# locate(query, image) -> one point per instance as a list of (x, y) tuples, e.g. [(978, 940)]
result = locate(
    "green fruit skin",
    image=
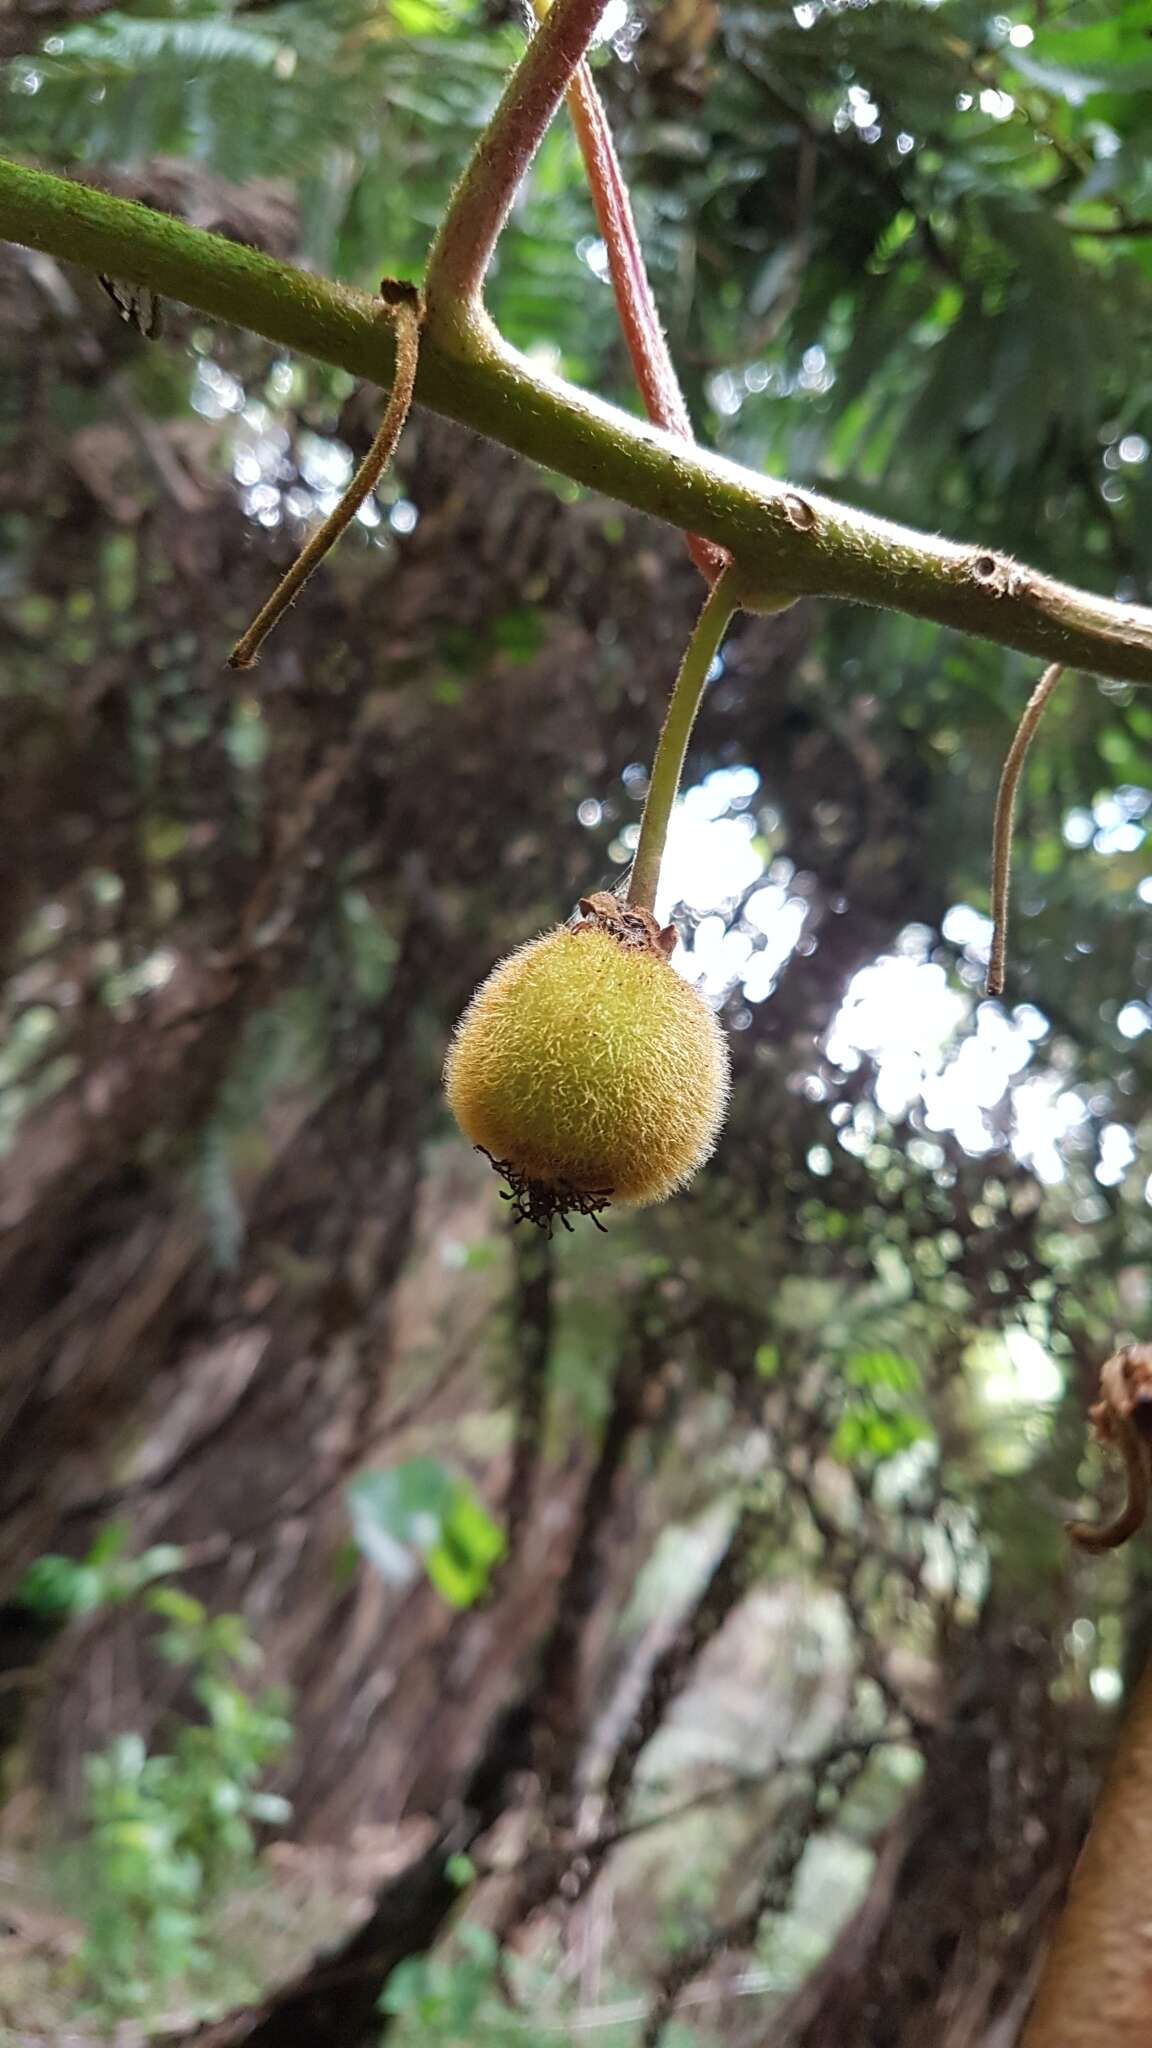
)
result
[(585, 1064)]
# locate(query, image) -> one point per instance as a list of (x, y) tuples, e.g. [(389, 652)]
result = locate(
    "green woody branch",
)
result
[(785, 541)]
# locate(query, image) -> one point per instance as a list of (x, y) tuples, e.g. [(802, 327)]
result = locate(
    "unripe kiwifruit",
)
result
[(587, 1069)]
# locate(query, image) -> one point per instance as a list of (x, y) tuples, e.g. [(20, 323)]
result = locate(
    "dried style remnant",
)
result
[(533, 1202)]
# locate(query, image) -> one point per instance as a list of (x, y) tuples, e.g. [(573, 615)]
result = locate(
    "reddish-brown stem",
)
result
[(483, 198), (639, 319)]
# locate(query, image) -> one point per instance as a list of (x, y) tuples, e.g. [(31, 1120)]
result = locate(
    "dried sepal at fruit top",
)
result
[(587, 1070)]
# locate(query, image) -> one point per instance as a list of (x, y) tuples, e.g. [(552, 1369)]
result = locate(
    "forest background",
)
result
[(748, 1513)]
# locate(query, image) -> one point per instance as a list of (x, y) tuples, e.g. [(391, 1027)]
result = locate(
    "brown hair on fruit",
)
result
[(587, 1069)]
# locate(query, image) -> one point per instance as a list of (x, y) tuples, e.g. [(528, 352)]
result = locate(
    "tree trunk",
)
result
[(944, 1950), (1096, 1988)]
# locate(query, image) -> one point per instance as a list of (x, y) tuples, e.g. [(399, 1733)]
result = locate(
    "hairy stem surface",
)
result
[(672, 745), (482, 201), (782, 538)]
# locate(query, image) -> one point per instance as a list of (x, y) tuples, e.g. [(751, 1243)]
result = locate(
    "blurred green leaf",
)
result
[(882, 1369), (422, 1511), (874, 1433)]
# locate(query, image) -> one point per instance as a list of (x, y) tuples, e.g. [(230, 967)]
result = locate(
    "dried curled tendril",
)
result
[(1123, 1417), (541, 1202)]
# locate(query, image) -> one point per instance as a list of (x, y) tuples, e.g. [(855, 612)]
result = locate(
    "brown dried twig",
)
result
[(402, 304), (1123, 1417), (1003, 823)]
